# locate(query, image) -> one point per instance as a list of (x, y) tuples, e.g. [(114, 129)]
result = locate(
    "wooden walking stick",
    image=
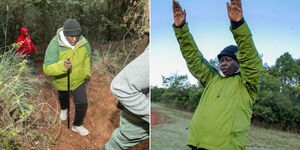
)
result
[(68, 113)]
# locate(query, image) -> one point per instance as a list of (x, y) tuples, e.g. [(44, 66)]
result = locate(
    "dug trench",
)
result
[(101, 119)]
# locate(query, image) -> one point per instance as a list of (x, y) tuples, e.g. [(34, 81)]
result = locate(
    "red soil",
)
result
[(157, 118), (101, 119)]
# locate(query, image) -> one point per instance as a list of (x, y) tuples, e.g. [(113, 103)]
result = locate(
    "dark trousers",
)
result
[(195, 148), (80, 101)]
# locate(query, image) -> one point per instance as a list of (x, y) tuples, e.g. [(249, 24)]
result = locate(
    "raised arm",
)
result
[(249, 60), (197, 64)]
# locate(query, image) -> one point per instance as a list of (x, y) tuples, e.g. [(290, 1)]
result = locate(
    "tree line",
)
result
[(101, 20), (277, 104)]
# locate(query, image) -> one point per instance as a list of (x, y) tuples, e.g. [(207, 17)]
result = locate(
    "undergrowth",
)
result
[(24, 118)]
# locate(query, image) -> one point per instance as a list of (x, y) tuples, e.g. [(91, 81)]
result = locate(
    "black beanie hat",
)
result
[(230, 51), (72, 28)]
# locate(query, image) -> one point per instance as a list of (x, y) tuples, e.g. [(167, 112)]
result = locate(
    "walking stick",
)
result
[(68, 113)]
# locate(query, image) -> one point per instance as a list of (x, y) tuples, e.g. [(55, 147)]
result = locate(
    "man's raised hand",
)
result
[(179, 15), (234, 10)]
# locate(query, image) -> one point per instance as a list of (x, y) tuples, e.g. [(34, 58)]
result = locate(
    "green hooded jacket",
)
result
[(223, 115), (57, 52)]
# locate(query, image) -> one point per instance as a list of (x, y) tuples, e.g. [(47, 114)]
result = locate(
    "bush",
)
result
[(177, 92), (19, 89)]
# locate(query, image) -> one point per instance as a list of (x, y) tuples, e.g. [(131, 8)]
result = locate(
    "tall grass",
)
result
[(110, 58), (106, 61), (19, 89)]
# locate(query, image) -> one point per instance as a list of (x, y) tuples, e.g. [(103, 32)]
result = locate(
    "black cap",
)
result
[(230, 51), (72, 28)]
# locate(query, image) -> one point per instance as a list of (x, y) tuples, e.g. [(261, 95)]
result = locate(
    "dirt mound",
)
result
[(157, 118)]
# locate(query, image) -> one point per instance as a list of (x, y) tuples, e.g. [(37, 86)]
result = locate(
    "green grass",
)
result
[(269, 139), (172, 134)]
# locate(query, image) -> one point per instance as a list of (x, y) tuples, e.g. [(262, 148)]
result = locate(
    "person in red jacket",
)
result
[(27, 45), (27, 48)]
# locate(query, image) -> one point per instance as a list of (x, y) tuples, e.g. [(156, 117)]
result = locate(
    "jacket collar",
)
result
[(222, 75), (63, 42)]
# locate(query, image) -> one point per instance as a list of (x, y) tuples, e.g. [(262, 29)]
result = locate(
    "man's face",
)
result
[(228, 65), (72, 39)]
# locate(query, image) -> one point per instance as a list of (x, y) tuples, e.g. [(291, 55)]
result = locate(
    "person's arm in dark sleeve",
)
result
[(248, 57)]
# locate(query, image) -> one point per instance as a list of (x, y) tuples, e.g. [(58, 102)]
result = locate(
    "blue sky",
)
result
[(275, 25)]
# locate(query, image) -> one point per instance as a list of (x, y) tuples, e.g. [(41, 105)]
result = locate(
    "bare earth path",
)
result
[(101, 119)]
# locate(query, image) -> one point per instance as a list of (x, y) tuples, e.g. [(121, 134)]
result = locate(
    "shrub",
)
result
[(21, 121)]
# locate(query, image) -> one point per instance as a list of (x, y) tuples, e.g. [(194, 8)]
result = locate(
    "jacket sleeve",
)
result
[(52, 65), (33, 47), (249, 60), (87, 61), (197, 64), (130, 86)]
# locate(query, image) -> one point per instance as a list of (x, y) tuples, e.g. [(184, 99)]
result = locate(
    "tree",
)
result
[(175, 81), (287, 70), (101, 20), (277, 103), (178, 92)]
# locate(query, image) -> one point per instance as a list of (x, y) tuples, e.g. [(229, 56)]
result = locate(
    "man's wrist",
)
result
[(180, 26), (235, 25)]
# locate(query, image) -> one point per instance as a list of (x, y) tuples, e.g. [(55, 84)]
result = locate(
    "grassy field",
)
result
[(172, 134)]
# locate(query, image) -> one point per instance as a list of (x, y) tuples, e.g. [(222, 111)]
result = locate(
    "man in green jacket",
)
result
[(223, 115), (70, 50)]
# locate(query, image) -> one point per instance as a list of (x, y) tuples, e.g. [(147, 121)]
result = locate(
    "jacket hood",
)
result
[(61, 43), (23, 31)]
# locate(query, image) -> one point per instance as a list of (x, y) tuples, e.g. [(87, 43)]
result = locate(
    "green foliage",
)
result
[(17, 106), (286, 70), (278, 102), (101, 20), (177, 92), (8, 142)]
